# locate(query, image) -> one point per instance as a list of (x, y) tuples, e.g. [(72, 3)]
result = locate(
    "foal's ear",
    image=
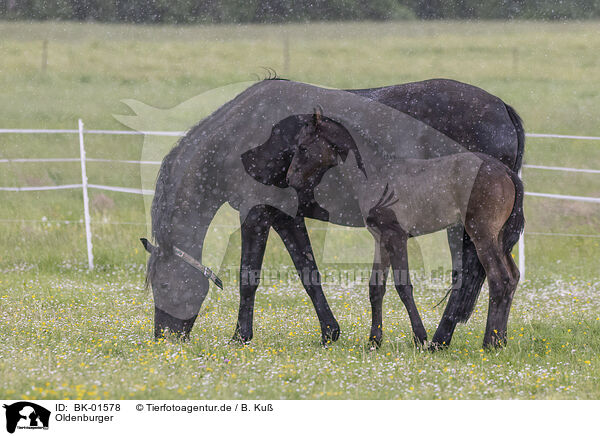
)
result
[(147, 245), (344, 146), (318, 116)]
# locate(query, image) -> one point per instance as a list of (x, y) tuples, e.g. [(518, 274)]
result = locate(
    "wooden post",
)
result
[(44, 55), (286, 54)]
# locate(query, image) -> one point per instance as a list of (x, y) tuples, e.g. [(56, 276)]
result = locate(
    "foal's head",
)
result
[(322, 143)]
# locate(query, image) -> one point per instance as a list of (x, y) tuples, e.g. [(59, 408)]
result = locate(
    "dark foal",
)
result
[(420, 197)]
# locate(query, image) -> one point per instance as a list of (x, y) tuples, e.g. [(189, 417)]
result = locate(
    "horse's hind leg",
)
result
[(381, 266), (397, 248), (502, 282), (467, 279)]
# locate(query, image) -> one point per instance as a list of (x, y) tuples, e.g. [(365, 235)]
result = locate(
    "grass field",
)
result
[(69, 333)]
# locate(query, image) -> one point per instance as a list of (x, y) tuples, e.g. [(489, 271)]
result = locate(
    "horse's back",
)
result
[(474, 118)]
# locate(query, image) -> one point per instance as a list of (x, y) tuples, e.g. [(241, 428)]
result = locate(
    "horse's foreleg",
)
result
[(399, 258), (381, 266), (254, 232), (295, 237)]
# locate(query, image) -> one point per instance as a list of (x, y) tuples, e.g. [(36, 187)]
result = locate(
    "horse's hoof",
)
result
[(238, 339), (422, 345), (330, 334), (374, 343), (493, 344), (436, 346), (420, 342)]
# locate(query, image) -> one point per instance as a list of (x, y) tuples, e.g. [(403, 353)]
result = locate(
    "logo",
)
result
[(26, 415)]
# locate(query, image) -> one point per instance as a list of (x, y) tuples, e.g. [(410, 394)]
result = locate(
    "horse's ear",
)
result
[(268, 163), (318, 116), (147, 245)]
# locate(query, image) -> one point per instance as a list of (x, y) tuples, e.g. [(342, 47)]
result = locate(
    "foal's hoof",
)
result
[(330, 333)]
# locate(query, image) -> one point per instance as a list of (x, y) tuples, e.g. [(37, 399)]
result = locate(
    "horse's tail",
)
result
[(513, 227), (472, 275), (518, 124)]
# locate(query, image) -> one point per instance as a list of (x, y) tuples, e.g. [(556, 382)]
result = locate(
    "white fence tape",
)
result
[(39, 188), (569, 235), (74, 159), (84, 185), (553, 135), (564, 197), (95, 132), (175, 133), (119, 189), (567, 169), (48, 159)]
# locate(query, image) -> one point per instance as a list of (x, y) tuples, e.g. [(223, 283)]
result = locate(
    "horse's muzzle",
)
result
[(164, 322)]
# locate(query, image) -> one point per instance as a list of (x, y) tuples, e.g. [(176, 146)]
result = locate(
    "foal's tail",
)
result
[(513, 227)]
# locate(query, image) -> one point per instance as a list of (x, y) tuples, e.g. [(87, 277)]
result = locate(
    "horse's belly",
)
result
[(426, 216)]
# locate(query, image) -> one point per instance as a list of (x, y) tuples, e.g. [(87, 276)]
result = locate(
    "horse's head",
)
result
[(268, 163), (322, 143), (179, 285)]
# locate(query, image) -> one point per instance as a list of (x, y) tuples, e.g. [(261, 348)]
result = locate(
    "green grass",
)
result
[(547, 71), (83, 336)]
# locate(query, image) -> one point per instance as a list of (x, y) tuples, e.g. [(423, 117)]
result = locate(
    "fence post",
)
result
[(44, 55), (522, 249), (286, 54), (86, 202)]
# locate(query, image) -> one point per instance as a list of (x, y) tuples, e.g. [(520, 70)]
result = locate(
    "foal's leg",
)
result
[(397, 248), (295, 237), (510, 290), (255, 232), (381, 267)]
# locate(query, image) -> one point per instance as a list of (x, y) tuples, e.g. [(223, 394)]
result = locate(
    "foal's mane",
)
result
[(351, 143)]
